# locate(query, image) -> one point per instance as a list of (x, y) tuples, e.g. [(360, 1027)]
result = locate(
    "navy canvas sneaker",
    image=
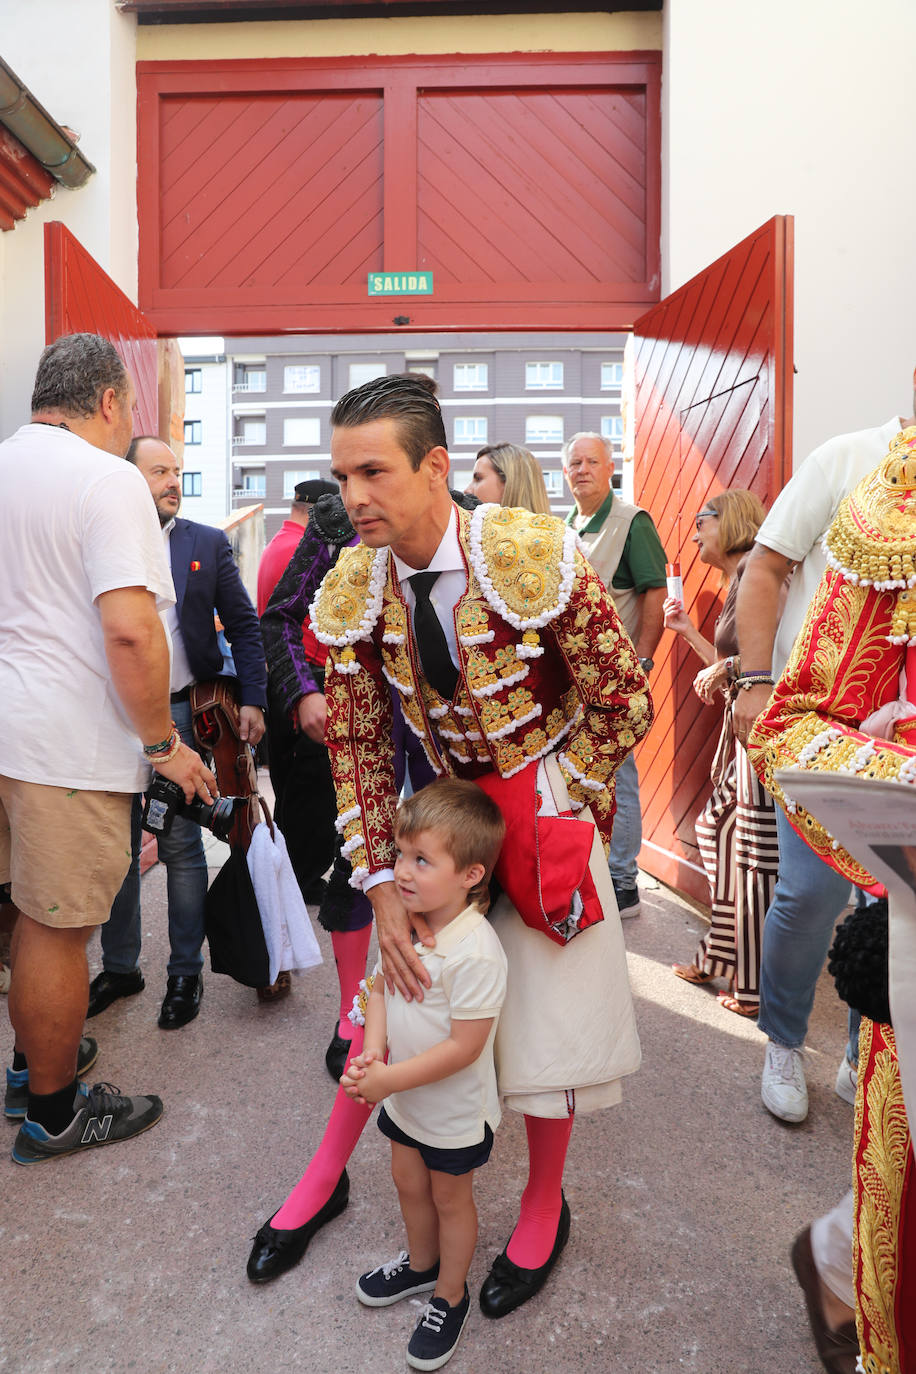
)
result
[(393, 1281), (437, 1333)]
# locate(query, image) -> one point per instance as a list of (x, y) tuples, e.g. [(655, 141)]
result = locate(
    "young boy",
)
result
[(439, 1084)]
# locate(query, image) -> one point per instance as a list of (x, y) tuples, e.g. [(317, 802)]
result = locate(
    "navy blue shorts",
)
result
[(460, 1161)]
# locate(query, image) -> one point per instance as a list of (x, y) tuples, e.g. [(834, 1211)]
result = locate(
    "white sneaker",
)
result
[(847, 1076), (783, 1086)]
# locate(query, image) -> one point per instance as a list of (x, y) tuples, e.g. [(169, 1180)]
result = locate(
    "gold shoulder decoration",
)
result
[(872, 541), (349, 599), (524, 563)]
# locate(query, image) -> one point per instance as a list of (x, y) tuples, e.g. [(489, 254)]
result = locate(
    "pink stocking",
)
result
[(344, 1128), (536, 1230), (351, 948)]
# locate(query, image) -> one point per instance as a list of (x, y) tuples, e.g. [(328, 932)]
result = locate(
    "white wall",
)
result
[(803, 107), (77, 59)]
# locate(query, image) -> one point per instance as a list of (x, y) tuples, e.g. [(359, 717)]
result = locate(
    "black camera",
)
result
[(165, 800)]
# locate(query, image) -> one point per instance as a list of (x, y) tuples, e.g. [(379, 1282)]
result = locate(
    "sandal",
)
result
[(691, 974), (730, 1003)]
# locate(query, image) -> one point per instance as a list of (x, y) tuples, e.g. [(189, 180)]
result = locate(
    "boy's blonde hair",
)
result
[(467, 821)]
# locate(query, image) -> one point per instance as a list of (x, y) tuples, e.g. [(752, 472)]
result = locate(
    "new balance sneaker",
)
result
[(783, 1086), (437, 1333), (628, 900), (847, 1076), (16, 1100), (393, 1281), (102, 1116)]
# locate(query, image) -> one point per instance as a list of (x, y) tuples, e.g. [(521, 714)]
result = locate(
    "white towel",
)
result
[(291, 942)]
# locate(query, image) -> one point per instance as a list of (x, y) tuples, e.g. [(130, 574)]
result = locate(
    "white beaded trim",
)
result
[(908, 771), (489, 688), (358, 877), (403, 687), (469, 640), (347, 668), (420, 734), (579, 777), (514, 724), (459, 710), (861, 758), (450, 734), (478, 563), (815, 745), (370, 615), (390, 638), (529, 650), (354, 1015), (344, 819), (548, 747), (456, 754), (893, 584), (352, 845)]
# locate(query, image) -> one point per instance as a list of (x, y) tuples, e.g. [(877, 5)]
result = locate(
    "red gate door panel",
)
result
[(713, 412), (81, 298), (529, 185)]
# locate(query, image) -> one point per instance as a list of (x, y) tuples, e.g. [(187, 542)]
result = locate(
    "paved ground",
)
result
[(684, 1200)]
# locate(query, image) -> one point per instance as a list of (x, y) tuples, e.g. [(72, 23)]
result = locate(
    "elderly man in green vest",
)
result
[(623, 547)]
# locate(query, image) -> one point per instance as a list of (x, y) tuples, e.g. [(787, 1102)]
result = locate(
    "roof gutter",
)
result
[(39, 133)]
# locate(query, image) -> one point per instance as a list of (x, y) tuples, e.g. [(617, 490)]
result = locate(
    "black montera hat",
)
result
[(310, 491)]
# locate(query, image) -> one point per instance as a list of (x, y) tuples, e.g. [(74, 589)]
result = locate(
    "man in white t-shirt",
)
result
[(84, 679), (809, 895)]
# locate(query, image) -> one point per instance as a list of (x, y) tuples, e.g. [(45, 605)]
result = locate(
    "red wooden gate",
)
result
[(80, 297), (527, 184), (713, 411)]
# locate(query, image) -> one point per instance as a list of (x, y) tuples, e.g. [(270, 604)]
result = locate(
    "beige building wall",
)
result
[(391, 37), (85, 79), (803, 109)]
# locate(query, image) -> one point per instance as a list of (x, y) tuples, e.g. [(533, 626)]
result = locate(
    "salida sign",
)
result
[(400, 283)]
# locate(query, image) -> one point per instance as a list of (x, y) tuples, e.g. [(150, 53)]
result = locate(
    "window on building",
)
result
[(192, 432), (193, 380), (425, 369), (251, 378), (543, 429), (302, 377), (611, 376), (192, 484), (252, 429), (612, 428), (471, 376), (254, 484), (291, 480), (543, 376), (470, 429), (366, 372), (553, 481), (302, 430)]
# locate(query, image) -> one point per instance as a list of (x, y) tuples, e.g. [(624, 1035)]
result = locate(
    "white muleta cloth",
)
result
[(288, 933)]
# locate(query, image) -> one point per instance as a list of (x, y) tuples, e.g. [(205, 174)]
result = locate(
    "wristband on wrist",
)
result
[(748, 680), (165, 750)]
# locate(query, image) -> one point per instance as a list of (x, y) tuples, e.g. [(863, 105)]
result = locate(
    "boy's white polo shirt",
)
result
[(467, 967)]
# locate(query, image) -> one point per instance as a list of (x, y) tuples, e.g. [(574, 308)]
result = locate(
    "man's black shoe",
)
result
[(182, 1000), (507, 1286), (275, 1251), (335, 1057), (106, 988)]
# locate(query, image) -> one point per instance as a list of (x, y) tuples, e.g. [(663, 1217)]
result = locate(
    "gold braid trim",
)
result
[(882, 1143)]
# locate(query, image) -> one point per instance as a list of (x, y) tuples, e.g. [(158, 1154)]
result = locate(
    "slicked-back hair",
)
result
[(74, 372), (408, 398), (468, 823)]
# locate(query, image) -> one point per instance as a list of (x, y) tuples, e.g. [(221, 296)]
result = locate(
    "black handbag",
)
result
[(233, 925)]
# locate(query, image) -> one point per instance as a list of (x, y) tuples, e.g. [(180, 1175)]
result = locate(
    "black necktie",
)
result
[(435, 658)]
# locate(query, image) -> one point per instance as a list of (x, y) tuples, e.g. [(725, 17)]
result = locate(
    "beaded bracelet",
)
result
[(748, 680), (164, 751)]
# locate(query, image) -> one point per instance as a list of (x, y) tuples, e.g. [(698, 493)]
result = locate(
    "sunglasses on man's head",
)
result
[(703, 515)]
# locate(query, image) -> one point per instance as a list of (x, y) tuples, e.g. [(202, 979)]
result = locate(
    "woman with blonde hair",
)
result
[(509, 476), (736, 830)]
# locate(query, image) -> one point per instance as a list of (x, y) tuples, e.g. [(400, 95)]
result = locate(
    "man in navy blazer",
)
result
[(206, 581)]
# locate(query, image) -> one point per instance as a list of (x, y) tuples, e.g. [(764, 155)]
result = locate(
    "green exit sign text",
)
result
[(400, 283)]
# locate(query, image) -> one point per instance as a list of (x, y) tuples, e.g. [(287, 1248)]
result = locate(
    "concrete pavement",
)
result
[(684, 1200)]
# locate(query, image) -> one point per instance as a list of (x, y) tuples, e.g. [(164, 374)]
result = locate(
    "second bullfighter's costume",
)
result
[(545, 668), (854, 666)]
